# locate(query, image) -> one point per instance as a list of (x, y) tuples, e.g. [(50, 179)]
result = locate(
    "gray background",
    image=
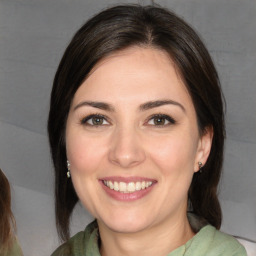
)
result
[(33, 36)]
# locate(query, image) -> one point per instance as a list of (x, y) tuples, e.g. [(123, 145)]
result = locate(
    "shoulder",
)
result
[(80, 243), (13, 250), (219, 243), (210, 241), (69, 247)]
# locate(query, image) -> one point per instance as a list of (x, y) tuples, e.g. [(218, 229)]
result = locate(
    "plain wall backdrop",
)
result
[(33, 37)]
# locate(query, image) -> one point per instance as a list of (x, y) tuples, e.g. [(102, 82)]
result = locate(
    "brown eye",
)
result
[(159, 121), (97, 120), (94, 120)]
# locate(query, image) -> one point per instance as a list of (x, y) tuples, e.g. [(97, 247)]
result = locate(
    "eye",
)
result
[(95, 120), (161, 120)]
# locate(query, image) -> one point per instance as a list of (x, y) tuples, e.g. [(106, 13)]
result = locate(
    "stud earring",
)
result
[(68, 167), (200, 166)]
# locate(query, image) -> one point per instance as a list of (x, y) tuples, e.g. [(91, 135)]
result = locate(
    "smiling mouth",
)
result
[(129, 187)]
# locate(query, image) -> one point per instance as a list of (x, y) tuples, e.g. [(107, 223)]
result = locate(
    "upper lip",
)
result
[(126, 179)]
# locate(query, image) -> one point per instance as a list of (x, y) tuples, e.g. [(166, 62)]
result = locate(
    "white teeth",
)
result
[(131, 187), (128, 187), (138, 185), (116, 186), (111, 185), (122, 187), (149, 183)]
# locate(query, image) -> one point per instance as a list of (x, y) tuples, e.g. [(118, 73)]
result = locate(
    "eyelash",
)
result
[(84, 121), (162, 116)]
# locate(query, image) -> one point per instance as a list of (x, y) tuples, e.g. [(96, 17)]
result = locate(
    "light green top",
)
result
[(207, 242), (15, 250)]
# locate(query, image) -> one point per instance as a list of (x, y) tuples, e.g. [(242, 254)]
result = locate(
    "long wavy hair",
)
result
[(7, 221), (118, 28)]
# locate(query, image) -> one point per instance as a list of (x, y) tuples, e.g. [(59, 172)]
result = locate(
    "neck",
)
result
[(165, 236)]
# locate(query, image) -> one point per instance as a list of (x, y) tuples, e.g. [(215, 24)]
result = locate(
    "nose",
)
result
[(126, 149)]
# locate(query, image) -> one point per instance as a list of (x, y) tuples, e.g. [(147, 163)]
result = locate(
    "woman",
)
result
[(8, 243), (136, 133)]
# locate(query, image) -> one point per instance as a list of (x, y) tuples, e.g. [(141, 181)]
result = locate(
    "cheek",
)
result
[(84, 154), (175, 153)]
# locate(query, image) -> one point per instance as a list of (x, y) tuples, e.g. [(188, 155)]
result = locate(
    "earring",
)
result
[(68, 167), (200, 166)]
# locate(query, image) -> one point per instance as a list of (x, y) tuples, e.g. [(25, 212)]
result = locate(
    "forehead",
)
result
[(142, 56), (136, 74)]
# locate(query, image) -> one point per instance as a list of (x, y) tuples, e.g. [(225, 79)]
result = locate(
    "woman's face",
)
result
[(132, 141)]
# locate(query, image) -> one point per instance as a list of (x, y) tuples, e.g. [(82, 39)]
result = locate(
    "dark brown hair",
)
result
[(7, 222), (115, 29)]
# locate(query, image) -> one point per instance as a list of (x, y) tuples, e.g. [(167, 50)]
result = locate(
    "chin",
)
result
[(125, 225)]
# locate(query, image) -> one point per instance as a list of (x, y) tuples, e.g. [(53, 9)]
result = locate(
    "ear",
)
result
[(204, 148)]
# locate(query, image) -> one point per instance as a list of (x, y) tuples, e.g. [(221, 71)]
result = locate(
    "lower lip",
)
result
[(127, 197)]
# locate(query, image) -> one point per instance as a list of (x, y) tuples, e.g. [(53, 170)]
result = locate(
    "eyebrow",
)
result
[(94, 104), (142, 107), (158, 103)]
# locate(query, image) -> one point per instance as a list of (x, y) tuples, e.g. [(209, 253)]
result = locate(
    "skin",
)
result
[(129, 142)]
